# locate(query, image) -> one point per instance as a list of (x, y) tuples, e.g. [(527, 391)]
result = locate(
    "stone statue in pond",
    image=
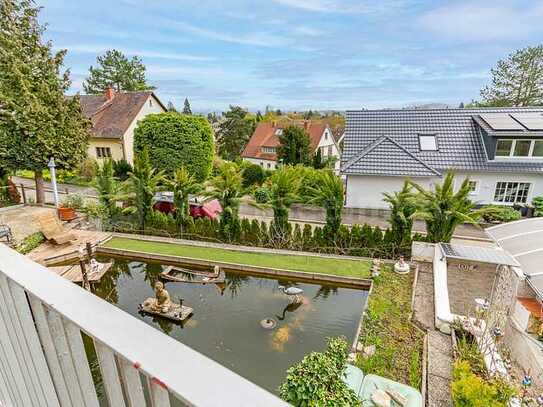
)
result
[(162, 303)]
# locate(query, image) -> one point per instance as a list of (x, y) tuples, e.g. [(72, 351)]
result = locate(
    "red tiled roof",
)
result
[(264, 136), (111, 118)]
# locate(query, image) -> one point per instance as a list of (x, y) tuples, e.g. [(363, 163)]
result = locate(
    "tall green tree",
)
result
[(186, 107), (141, 186), (107, 187), (115, 70), (517, 80), (328, 194), (171, 107), (234, 132), (284, 186), (402, 208), (443, 209), (36, 120), (294, 146), (226, 187), (175, 140), (182, 185)]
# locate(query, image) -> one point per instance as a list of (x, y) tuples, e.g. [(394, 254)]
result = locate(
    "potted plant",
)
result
[(68, 207)]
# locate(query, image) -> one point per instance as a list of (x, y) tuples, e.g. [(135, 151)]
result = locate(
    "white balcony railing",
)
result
[(43, 360)]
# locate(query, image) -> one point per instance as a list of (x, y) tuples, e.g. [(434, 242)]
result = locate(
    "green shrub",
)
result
[(121, 168), (262, 195), (499, 213), (74, 201), (176, 140), (317, 379), (538, 204), (87, 169), (30, 243), (470, 390), (253, 175)]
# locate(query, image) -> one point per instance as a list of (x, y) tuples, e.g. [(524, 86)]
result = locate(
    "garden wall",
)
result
[(467, 281)]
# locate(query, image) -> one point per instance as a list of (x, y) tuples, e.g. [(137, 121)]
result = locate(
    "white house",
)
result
[(114, 117), (499, 149), (262, 147)]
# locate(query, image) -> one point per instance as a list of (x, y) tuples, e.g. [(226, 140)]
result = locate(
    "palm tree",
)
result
[(328, 194), (402, 208), (227, 188), (284, 186), (443, 209), (183, 184), (107, 187), (141, 186)]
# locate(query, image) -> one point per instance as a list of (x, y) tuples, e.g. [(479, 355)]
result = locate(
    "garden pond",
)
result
[(226, 323)]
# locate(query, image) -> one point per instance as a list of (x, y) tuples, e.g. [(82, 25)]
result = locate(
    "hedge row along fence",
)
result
[(359, 240)]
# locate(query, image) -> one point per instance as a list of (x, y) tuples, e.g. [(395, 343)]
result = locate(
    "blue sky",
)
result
[(300, 54)]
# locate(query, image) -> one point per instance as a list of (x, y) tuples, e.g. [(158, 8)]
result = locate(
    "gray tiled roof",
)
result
[(385, 142), (400, 162)]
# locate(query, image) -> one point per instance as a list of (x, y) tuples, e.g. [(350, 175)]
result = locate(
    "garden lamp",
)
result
[(51, 165)]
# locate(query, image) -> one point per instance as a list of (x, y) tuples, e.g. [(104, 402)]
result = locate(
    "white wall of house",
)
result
[(266, 164), (367, 191), (151, 105), (114, 146), (329, 148)]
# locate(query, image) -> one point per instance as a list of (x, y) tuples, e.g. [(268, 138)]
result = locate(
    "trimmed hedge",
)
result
[(175, 140), (359, 240)]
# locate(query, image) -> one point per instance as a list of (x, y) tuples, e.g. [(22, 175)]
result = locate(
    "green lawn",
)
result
[(387, 325), (339, 267)]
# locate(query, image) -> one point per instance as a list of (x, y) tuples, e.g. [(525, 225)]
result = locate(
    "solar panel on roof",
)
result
[(501, 121), (532, 121), (480, 254)]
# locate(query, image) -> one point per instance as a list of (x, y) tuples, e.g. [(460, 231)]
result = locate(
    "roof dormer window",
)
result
[(278, 132), (427, 142)]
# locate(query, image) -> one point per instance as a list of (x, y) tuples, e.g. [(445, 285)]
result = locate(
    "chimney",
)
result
[(109, 93)]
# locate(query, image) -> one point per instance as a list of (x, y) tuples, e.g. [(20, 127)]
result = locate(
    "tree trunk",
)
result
[(40, 192)]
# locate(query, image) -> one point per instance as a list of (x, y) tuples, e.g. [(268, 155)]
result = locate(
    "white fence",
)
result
[(43, 361)]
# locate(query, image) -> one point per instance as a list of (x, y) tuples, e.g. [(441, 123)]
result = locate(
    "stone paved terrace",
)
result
[(22, 219)]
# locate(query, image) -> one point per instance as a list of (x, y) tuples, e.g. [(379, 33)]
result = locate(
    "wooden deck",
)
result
[(49, 254), (73, 273)]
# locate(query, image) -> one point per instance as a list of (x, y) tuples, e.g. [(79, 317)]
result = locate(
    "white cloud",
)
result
[(99, 49), (342, 6), (485, 20), (257, 39)]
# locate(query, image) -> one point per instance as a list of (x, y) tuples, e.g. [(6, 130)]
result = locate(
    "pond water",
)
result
[(225, 325)]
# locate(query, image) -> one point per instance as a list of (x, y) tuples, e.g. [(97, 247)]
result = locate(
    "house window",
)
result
[(326, 135), (278, 132), (330, 151), (512, 192), (150, 102), (503, 148), (428, 142), (269, 165), (522, 148), (519, 148), (473, 187), (103, 152), (261, 164), (269, 150)]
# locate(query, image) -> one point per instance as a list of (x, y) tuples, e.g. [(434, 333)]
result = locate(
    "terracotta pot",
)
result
[(66, 214)]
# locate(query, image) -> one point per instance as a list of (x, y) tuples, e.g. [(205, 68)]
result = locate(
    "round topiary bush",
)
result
[(176, 140)]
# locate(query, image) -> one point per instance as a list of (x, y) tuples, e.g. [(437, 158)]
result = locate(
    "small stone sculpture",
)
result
[(375, 267), (162, 302), (401, 266)]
